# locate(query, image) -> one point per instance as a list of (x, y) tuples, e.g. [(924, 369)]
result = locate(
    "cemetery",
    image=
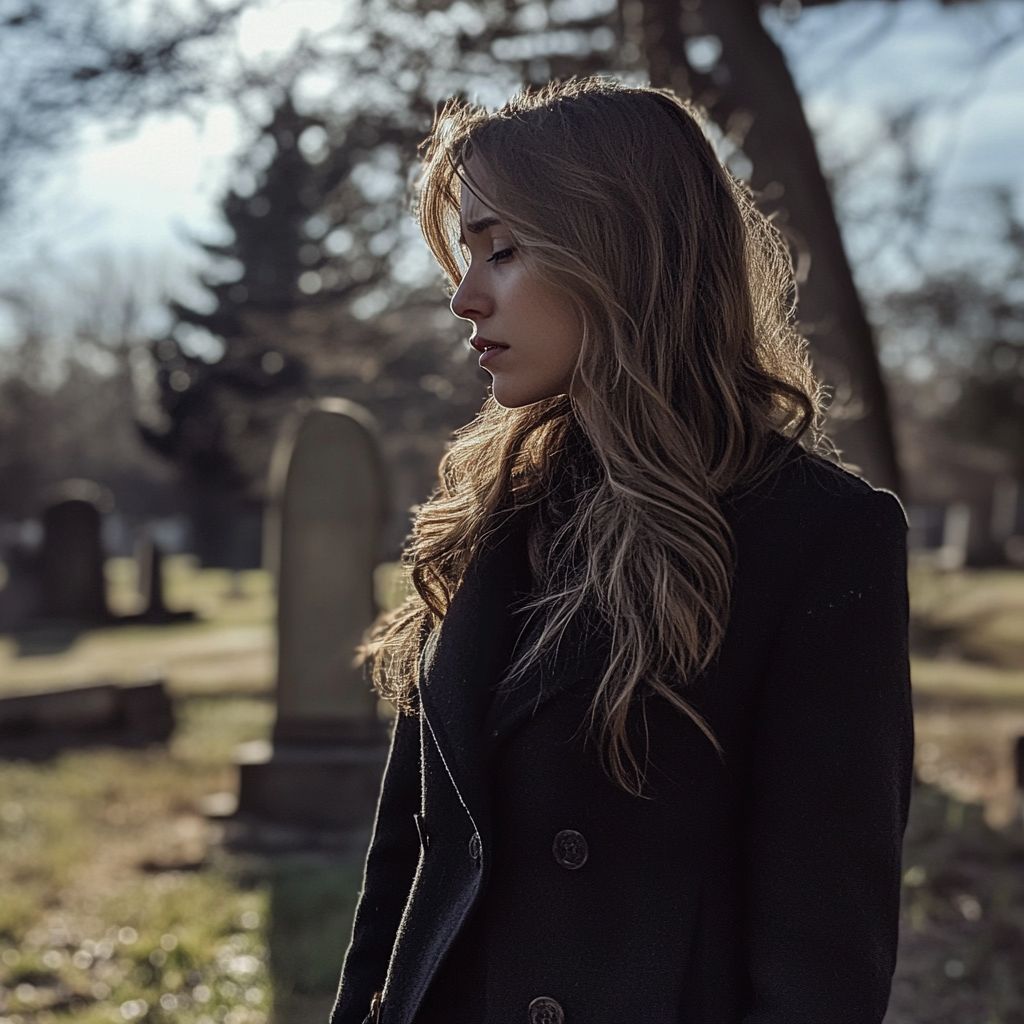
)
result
[(250, 803), (186, 796), (226, 383)]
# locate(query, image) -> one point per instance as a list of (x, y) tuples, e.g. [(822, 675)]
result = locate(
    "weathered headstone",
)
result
[(329, 506), (72, 584), (327, 521)]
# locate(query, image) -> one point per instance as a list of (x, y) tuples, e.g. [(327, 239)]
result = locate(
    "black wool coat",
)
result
[(510, 881)]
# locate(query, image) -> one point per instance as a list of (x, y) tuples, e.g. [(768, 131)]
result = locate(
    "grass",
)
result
[(229, 648), (119, 906), (112, 910), (970, 616), (962, 918), (968, 633)]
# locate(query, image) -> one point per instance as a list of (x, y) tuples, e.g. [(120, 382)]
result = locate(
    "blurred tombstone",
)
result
[(956, 532), (329, 505), (149, 557), (150, 560), (40, 725), (926, 524), (977, 531), (72, 583)]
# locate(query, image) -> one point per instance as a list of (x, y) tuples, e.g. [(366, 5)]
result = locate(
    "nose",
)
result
[(471, 300)]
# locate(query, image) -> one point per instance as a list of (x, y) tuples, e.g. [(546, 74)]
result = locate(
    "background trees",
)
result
[(318, 284), (962, 332), (314, 294), (73, 383)]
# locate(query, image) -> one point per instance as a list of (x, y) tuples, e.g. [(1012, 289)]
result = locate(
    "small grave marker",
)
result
[(72, 584)]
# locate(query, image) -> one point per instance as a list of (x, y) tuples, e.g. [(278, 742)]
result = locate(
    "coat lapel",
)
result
[(465, 657), (467, 706)]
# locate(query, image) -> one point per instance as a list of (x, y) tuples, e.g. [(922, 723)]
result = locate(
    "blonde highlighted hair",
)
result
[(691, 367)]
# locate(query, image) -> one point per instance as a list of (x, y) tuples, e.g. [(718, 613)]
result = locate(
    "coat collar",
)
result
[(464, 659)]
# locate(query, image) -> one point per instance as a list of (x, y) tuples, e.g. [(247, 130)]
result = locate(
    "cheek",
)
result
[(562, 324), (567, 332)]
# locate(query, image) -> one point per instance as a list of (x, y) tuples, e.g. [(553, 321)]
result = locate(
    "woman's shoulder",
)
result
[(808, 495)]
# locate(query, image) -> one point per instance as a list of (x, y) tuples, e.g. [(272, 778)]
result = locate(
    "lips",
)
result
[(489, 350), (483, 345)]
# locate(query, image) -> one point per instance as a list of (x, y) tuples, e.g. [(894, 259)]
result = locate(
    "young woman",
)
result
[(653, 754)]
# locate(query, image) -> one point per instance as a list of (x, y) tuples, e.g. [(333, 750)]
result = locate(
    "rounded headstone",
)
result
[(72, 583), (329, 507)]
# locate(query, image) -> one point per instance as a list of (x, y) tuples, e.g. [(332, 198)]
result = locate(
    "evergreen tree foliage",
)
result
[(312, 295), (219, 368)]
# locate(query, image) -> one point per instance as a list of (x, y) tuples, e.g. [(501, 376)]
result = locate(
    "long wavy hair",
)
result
[(690, 370)]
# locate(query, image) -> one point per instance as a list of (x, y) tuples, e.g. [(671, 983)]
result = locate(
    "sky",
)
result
[(141, 198), (857, 63), (853, 60)]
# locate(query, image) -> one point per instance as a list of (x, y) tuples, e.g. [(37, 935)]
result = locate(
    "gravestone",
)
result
[(325, 532), (72, 584), (328, 509), (150, 561)]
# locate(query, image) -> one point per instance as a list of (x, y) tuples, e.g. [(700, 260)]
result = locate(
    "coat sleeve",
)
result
[(832, 775), (390, 868)]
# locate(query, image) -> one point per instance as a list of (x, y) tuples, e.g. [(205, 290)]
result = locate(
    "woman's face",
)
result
[(526, 330)]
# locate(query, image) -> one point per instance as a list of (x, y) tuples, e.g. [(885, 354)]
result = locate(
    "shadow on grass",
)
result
[(312, 903)]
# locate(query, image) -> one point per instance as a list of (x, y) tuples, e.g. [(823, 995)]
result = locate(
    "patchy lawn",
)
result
[(974, 616), (962, 923), (118, 907)]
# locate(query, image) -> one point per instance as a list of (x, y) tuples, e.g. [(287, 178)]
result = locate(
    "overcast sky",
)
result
[(853, 61)]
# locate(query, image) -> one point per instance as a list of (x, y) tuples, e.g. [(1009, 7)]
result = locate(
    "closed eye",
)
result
[(501, 255)]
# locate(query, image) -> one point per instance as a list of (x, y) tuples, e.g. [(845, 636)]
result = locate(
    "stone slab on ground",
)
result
[(37, 725)]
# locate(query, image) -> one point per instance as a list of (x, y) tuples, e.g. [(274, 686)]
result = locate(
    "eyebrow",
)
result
[(474, 227)]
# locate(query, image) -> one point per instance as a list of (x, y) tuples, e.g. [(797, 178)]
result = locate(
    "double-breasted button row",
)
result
[(545, 1010), (570, 849)]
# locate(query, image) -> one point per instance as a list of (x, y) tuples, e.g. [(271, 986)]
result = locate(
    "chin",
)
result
[(511, 397)]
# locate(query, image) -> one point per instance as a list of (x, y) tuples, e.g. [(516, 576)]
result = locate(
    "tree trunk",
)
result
[(751, 95)]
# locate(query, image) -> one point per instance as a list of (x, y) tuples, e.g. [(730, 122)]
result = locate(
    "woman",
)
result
[(653, 754)]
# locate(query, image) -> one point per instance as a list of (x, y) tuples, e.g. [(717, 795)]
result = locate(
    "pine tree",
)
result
[(320, 231)]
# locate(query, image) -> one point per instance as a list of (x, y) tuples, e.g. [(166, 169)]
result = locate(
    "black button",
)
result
[(570, 849), (545, 1010), (474, 847)]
